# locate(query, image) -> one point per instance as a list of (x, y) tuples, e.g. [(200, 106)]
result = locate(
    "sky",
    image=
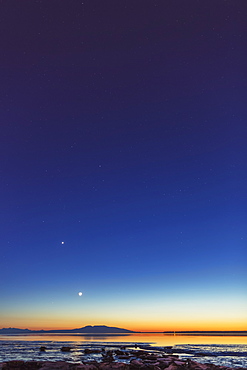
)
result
[(123, 164)]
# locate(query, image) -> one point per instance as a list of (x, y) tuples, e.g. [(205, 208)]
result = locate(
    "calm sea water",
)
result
[(221, 350)]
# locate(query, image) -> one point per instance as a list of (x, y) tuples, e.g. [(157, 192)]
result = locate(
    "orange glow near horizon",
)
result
[(150, 317), (58, 324), (155, 312)]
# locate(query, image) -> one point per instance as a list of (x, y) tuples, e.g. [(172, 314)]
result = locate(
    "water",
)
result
[(224, 350), (219, 354)]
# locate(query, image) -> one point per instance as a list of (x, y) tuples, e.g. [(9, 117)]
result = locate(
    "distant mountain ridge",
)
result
[(103, 329), (209, 332), (89, 329)]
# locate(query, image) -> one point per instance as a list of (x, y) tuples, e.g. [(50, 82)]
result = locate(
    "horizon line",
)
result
[(133, 331)]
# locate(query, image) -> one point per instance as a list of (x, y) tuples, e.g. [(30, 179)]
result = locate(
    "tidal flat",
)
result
[(145, 351)]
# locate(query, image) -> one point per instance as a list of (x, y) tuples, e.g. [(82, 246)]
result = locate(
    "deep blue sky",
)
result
[(123, 135)]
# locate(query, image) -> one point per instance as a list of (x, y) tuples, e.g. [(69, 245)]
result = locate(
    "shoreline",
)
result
[(151, 362), (144, 360), (116, 356)]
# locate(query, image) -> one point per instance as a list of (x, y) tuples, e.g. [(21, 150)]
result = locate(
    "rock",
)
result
[(119, 352), (58, 365), (14, 365), (196, 365), (165, 359), (168, 348), (139, 353), (20, 365), (205, 366), (87, 367), (151, 357), (163, 363), (88, 351), (108, 356), (180, 363), (114, 366), (123, 357), (136, 363), (66, 349), (42, 349), (172, 366)]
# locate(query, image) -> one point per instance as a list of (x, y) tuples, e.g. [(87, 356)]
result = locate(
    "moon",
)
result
[(80, 294)]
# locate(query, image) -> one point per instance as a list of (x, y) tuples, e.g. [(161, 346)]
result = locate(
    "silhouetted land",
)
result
[(103, 329), (236, 332)]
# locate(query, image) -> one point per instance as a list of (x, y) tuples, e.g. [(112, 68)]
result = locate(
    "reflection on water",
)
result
[(158, 339)]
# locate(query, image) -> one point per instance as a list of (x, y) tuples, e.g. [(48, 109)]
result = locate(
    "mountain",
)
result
[(14, 331), (101, 329)]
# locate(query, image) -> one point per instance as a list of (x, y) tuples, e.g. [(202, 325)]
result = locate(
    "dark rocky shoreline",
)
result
[(115, 357), (146, 361)]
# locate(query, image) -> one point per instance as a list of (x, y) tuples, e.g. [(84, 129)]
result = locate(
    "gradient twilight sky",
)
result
[(123, 164)]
